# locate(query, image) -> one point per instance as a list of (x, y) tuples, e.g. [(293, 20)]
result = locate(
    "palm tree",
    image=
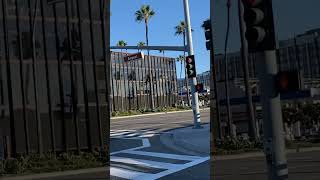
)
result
[(181, 30), (121, 43), (141, 44), (144, 14)]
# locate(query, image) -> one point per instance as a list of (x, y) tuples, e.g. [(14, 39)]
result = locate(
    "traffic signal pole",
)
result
[(260, 34), (274, 144), (195, 98)]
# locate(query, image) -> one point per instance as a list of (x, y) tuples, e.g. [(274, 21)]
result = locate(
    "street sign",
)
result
[(134, 57)]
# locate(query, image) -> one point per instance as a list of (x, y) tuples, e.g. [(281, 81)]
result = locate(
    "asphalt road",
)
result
[(161, 122), (303, 165)]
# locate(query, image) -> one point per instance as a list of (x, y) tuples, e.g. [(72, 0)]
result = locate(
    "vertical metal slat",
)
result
[(8, 67), (95, 74), (24, 114)]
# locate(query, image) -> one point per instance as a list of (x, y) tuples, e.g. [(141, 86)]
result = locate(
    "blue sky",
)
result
[(292, 17)]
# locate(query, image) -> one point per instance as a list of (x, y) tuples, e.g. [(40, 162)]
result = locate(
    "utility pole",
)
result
[(253, 133), (260, 34), (195, 98), (272, 115)]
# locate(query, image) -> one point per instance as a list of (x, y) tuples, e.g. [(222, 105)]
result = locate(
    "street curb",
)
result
[(168, 130), (182, 143), (189, 146), (57, 174), (177, 146), (154, 114)]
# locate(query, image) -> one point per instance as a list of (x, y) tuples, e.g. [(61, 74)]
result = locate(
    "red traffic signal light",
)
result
[(288, 81), (189, 60), (199, 87)]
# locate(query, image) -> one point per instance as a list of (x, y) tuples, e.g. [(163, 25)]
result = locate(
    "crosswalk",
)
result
[(138, 164), (127, 134)]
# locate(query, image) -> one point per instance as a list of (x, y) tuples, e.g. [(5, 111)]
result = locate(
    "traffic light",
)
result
[(288, 81), (191, 66), (208, 34), (258, 16), (199, 87)]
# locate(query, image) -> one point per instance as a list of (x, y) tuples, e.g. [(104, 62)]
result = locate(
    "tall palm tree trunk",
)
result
[(181, 89), (150, 71), (122, 104), (244, 53), (229, 114)]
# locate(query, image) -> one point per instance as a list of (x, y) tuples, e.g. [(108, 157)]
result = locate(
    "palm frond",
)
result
[(144, 13)]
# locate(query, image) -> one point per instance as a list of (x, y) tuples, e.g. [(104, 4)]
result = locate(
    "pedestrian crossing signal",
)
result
[(199, 88), (288, 81)]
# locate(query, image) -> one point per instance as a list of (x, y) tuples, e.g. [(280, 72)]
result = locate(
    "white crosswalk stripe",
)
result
[(138, 164), (146, 133), (165, 168)]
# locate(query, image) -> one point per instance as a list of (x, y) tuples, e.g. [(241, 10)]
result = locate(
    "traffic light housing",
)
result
[(258, 16), (288, 81), (208, 34), (199, 87), (191, 66)]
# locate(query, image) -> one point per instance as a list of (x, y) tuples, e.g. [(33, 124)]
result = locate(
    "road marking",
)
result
[(163, 155), (154, 164), (127, 174), (165, 168), (128, 134)]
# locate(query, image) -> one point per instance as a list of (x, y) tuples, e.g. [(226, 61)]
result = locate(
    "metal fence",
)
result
[(54, 81), (130, 82)]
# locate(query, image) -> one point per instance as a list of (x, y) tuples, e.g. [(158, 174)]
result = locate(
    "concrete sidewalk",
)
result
[(189, 140), (197, 142)]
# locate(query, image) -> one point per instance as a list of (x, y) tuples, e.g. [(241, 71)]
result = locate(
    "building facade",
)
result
[(130, 82), (299, 53), (54, 93)]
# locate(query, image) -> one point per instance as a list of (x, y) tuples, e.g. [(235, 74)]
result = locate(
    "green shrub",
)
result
[(11, 166), (148, 111), (50, 162), (236, 144), (114, 113), (1, 167)]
